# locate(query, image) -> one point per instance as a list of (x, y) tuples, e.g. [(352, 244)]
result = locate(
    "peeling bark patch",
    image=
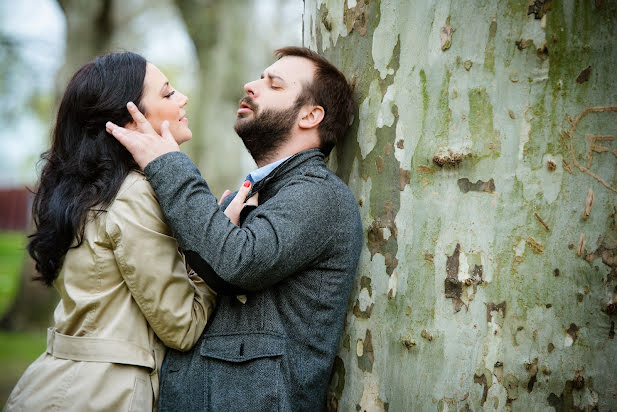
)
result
[(448, 157), (535, 246), (510, 382), (445, 35), (584, 75), (326, 21), (379, 164), (573, 331), (542, 52), (466, 186), (492, 307), (425, 169), (538, 8), (481, 379), (608, 255), (365, 284), (588, 204), (400, 144), (405, 178), (357, 18), (408, 343), (541, 221), (489, 49), (550, 347), (565, 401), (336, 386), (365, 361), (530, 384), (611, 332), (532, 369), (452, 286), (521, 44), (377, 243)]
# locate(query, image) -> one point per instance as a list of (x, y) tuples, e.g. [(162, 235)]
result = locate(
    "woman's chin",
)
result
[(185, 137)]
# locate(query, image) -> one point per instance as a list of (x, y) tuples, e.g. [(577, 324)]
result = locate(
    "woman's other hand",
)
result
[(237, 204)]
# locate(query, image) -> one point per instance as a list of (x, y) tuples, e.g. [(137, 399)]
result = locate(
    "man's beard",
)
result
[(266, 131)]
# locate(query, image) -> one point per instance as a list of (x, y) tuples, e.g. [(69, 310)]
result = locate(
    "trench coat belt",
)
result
[(92, 349)]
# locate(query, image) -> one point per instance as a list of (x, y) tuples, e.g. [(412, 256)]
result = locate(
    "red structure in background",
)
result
[(15, 207)]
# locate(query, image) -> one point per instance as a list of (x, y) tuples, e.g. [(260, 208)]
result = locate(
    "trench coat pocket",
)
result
[(244, 371)]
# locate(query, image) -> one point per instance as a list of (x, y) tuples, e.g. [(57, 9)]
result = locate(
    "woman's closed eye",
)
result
[(168, 95)]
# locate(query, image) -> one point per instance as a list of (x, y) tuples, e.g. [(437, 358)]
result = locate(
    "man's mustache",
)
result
[(248, 100)]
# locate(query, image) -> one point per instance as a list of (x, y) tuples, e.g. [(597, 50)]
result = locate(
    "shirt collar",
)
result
[(258, 174)]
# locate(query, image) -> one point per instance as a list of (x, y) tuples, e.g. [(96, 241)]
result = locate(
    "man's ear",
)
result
[(311, 117)]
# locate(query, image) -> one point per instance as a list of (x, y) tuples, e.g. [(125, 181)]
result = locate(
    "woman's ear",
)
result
[(131, 125), (311, 117)]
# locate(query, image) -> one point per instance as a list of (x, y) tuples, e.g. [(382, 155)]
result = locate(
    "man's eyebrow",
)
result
[(273, 77), (164, 85)]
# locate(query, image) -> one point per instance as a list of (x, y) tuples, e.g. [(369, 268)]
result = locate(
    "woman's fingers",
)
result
[(253, 200), (226, 193), (143, 125), (143, 142), (235, 207)]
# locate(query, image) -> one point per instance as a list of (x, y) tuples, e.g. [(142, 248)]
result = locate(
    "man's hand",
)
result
[(237, 204), (144, 143)]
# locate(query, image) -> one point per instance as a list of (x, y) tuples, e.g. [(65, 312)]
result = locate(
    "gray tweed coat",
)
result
[(294, 257)]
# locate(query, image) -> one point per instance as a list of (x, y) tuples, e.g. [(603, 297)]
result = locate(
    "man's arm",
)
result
[(283, 235), (281, 238)]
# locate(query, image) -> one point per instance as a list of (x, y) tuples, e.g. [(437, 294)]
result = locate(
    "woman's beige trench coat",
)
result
[(124, 294)]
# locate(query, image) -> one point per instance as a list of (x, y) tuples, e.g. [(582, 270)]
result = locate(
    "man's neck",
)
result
[(289, 148)]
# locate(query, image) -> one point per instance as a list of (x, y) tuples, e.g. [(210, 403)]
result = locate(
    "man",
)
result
[(291, 259)]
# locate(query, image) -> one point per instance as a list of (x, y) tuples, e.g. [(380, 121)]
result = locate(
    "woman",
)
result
[(102, 241)]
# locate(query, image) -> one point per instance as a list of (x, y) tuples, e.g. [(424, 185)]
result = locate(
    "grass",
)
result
[(17, 351), (12, 253)]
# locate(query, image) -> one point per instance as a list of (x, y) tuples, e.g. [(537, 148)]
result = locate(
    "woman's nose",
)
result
[(183, 100)]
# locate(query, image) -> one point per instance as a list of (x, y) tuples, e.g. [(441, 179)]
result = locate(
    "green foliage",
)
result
[(12, 252), (17, 351)]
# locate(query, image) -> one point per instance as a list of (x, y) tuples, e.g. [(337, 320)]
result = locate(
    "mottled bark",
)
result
[(484, 161)]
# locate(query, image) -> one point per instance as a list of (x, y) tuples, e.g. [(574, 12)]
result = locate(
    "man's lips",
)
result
[(245, 106)]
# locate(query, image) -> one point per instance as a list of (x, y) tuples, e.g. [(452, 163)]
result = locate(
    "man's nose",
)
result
[(250, 89)]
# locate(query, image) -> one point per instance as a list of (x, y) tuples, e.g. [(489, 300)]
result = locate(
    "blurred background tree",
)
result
[(207, 48)]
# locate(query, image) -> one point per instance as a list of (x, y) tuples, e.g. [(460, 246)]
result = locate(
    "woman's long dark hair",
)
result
[(85, 165)]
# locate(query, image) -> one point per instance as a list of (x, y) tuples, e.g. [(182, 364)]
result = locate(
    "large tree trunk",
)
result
[(483, 159), (89, 27)]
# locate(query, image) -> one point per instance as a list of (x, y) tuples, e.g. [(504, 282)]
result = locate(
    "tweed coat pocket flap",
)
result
[(242, 347)]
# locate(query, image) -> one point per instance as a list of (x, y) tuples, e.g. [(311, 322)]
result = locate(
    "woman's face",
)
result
[(163, 102)]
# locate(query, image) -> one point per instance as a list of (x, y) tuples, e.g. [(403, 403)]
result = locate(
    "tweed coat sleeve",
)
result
[(177, 305), (284, 235)]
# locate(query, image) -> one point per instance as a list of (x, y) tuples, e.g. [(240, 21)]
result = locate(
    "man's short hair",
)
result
[(330, 90)]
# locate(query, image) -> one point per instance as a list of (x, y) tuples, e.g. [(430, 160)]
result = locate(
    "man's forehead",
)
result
[(292, 68)]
